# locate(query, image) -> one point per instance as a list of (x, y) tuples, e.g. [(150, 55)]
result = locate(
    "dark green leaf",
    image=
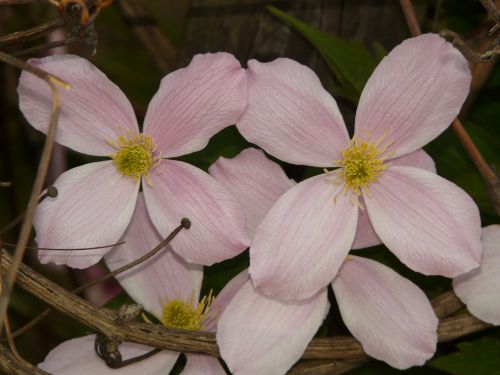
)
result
[(350, 61)]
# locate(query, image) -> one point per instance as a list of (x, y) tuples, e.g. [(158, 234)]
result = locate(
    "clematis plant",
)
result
[(479, 289), (166, 286), (429, 223), (388, 314), (96, 201)]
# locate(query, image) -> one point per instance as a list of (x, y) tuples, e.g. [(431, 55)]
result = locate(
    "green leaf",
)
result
[(351, 63), (480, 357)]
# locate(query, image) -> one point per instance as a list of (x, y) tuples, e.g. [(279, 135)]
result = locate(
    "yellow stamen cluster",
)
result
[(362, 163), (136, 156), (184, 315)]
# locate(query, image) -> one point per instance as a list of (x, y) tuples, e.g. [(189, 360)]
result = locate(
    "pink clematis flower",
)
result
[(479, 289), (429, 223), (167, 287), (96, 200), (387, 313)]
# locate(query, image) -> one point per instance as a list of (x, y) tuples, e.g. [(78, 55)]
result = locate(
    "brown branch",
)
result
[(104, 320), (144, 25), (185, 224), (11, 365), (490, 177), (24, 235), (33, 33)]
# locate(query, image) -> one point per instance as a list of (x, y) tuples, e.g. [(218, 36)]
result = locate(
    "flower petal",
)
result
[(388, 314), (93, 111), (254, 180), (417, 159), (223, 298), (480, 288), (194, 103), (290, 115), (429, 223), (300, 245), (78, 357), (198, 364), (260, 335), (414, 94), (365, 234), (164, 277), (93, 208), (217, 220)]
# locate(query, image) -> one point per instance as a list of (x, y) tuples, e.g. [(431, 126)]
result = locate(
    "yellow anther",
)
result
[(363, 162), (185, 315), (136, 155)]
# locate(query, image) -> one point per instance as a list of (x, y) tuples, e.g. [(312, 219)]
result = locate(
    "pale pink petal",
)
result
[(417, 159), (480, 288), (78, 357), (194, 103), (302, 242), (260, 335), (429, 223), (217, 220), (93, 111), (223, 298), (388, 314), (414, 94), (290, 115), (365, 234), (93, 207), (198, 364), (162, 278), (254, 180)]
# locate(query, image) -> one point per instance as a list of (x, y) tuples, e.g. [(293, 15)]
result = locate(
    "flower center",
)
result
[(183, 315), (362, 163), (136, 155)]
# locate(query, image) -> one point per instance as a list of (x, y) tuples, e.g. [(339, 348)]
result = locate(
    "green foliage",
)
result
[(479, 357), (351, 62)]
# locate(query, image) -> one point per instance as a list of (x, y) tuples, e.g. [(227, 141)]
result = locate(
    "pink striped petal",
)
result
[(194, 103), (223, 298), (302, 242), (480, 288), (414, 94), (217, 220), (429, 223), (198, 364), (417, 159), (93, 208), (290, 115), (162, 278), (78, 357), (388, 314), (260, 335), (93, 111), (254, 180), (365, 234)]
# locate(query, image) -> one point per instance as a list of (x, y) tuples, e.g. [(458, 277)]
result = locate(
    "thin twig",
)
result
[(5, 183), (43, 47), (25, 232), (490, 177), (33, 33), (185, 224), (491, 8), (11, 365), (50, 192), (12, 344), (20, 2)]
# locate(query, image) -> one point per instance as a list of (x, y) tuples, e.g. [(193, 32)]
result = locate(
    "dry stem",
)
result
[(24, 235), (344, 348)]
